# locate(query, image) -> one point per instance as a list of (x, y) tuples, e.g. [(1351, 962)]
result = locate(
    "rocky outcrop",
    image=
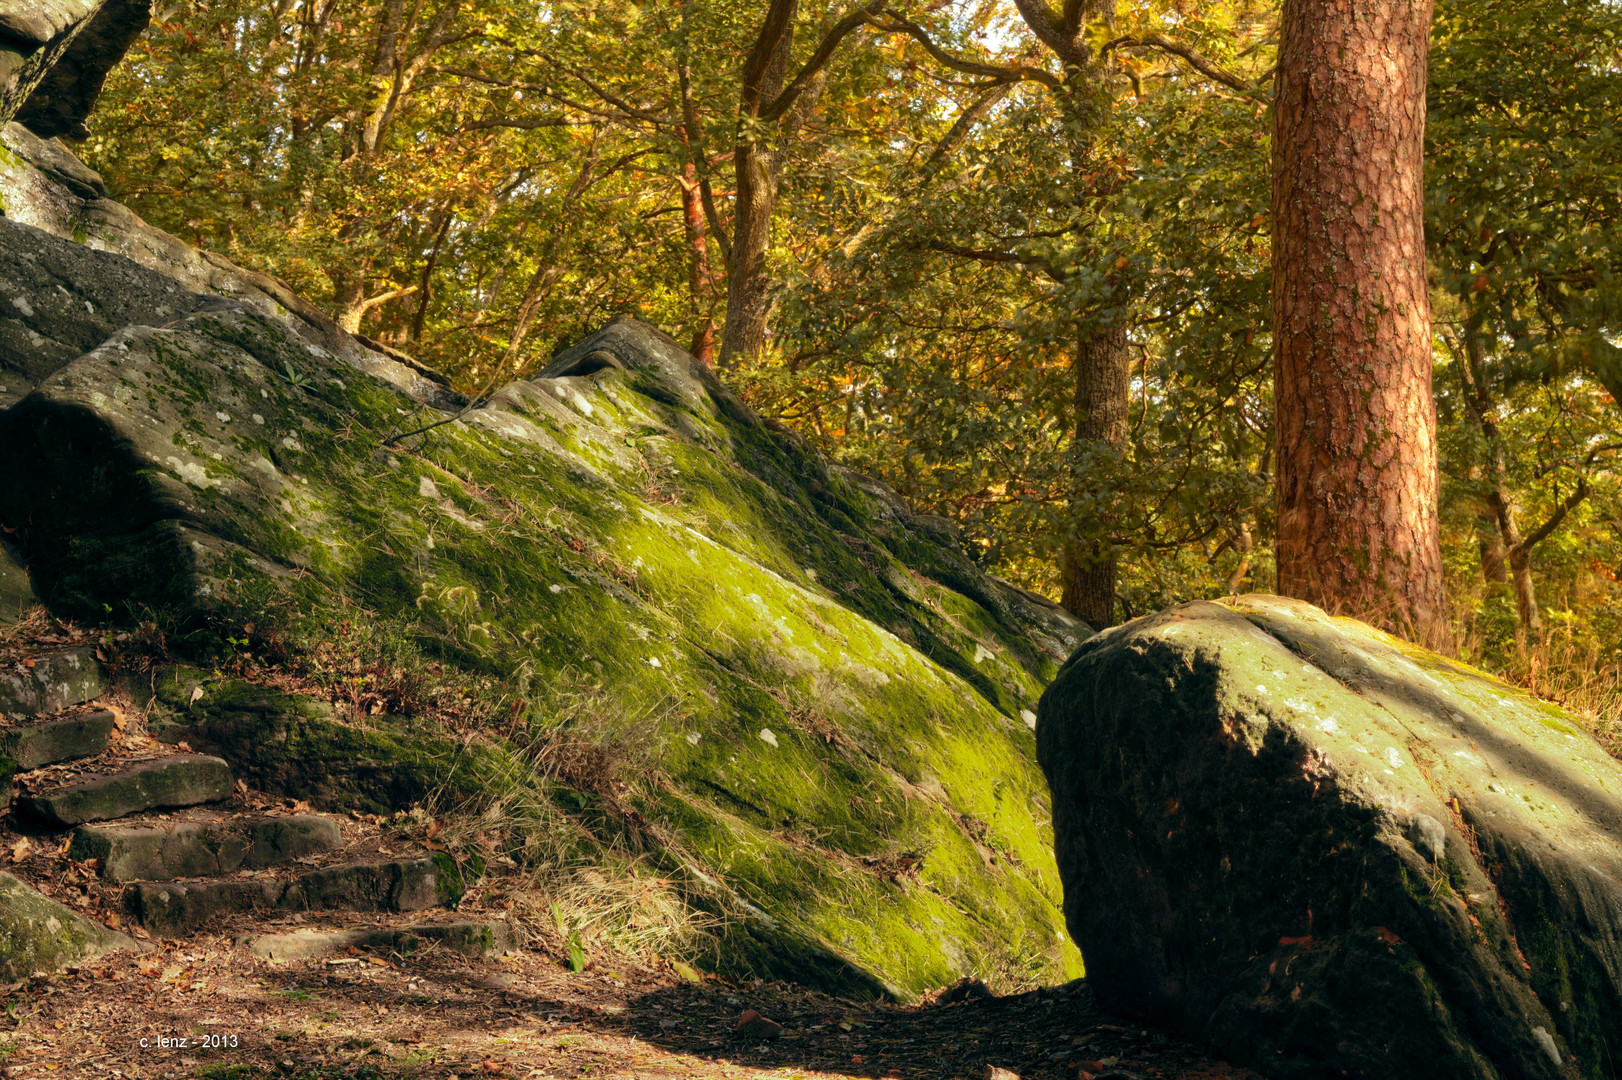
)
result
[(1330, 853), (837, 702), (55, 56)]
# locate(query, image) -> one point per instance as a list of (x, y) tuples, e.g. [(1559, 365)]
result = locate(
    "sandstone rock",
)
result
[(55, 681), (1326, 852), (175, 908), (622, 522), (31, 745), (16, 590), (181, 780), (55, 56), (39, 934), (471, 939), (164, 851)]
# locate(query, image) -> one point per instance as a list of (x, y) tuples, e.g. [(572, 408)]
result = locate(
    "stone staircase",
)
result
[(184, 847)]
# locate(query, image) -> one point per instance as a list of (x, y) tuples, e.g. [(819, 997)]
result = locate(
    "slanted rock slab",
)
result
[(169, 850), (39, 934), (471, 939), (55, 681), (1326, 852), (181, 780)]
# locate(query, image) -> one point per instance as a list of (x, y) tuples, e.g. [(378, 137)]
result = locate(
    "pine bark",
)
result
[(1356, 420), (1103, 374)]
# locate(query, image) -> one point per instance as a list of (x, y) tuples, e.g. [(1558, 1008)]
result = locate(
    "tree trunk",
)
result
[(699, 286), (1103, 373), (1356, 421)]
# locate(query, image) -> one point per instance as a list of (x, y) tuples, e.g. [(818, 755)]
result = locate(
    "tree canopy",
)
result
[(933, 208)]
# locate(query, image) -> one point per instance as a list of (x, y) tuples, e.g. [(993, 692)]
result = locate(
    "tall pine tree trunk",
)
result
[(1102, 373), (1357, 468)]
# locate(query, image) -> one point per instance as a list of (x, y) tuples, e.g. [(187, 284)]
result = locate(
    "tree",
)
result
[(1358, 527)]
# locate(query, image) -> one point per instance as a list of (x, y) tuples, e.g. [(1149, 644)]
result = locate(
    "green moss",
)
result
[(705, 579)]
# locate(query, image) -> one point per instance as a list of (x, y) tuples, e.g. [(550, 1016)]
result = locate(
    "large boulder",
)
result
[(1330, 853), (834, 703)]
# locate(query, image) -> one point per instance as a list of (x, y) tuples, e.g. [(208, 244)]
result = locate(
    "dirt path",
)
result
[(440, 1016)]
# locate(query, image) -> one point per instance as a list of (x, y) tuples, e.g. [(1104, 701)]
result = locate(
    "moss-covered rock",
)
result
[(52, 682), (39, 934), (1329, 853), (834, 702), (16, 590), (161, 783)]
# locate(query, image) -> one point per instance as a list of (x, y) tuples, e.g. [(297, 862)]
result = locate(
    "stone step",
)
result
[(188, 849), (167, 782), (55, 681), (175, 908), (33, 745), (16, 590), (472, 939)]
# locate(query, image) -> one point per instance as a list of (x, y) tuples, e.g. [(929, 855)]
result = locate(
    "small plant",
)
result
[(294, 378)]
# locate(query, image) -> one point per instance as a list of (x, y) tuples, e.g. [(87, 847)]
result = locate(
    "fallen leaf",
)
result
[(196, 695), (21, 850)]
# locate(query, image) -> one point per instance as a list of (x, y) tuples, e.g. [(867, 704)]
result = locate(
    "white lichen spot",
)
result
[(1260, 688), (1392, 758), (287, 507), (224, 418), (89, 308), (260, 420), (767, 737), (653, 661), (191, 472), (981, 653), (291, 443), (264, 393), (430, 541), (1328, 726), (21, 304), (692, 738), (1469, 758), (810, 573), (427, 488), (263, 465), (1029, 717), (555, 589), (582, 404), (1541, 1036)]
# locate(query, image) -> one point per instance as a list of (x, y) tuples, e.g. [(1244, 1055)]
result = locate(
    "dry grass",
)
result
[(1578, 675), (575, 860)]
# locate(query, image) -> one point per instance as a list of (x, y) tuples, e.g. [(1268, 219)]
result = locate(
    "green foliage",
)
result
[(480, 182)]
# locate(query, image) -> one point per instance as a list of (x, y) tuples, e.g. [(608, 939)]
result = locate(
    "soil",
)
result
[(436, 1015)]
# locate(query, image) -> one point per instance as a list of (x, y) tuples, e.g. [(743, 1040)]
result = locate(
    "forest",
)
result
[(904, 231), (891, 539)]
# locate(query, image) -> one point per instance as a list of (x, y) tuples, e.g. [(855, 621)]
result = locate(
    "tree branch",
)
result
[(899, 25), (778, 18), (824, 53), (1207, 67), (1566, 506)]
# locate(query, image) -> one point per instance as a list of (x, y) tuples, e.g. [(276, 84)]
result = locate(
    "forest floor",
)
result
[(436, 1016)]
